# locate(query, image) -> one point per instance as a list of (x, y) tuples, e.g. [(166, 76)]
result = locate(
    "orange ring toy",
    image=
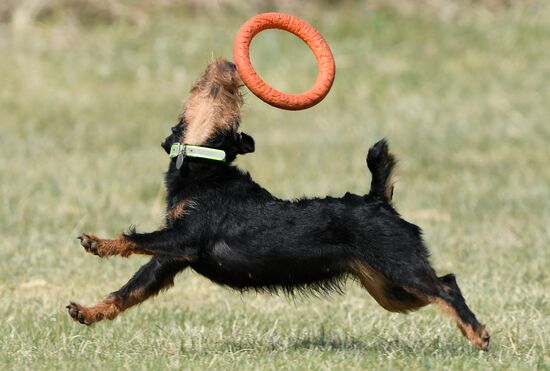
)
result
[(304, 31)]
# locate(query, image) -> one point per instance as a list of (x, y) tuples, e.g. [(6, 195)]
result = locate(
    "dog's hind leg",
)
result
[(156, 275), (445, 292), (419, 290), (165, 242), (389, 295), (450, 299)]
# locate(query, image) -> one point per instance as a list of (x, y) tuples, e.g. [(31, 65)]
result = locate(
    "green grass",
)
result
[(464, 103)]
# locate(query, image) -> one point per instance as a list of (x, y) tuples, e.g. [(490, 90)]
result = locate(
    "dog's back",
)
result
[(267, 242)]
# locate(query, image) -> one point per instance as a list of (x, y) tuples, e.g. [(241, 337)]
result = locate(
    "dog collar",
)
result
[(181, 151)]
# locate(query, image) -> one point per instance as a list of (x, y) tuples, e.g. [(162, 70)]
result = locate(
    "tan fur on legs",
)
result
[(478, 337), (377, 285), (119, 246), (108, 308)]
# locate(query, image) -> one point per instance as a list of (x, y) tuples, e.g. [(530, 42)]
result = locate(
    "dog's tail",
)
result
[(381, 163)]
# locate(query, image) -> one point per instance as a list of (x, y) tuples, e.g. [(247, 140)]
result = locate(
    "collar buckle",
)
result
[(176, 149)]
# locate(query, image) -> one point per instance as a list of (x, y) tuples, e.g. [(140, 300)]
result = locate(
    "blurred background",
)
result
[(88, 89)]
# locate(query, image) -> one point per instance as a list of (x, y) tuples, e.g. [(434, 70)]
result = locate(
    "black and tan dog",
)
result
[(226, 227)]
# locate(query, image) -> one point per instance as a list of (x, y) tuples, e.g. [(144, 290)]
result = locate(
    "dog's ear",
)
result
[(245, 143)]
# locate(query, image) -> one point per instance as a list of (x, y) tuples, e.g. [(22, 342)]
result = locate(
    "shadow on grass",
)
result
[(328, 343), (348, 344)]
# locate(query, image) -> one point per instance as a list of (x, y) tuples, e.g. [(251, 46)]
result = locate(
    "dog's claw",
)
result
[(75, 311), (486, 339), (89, 244)]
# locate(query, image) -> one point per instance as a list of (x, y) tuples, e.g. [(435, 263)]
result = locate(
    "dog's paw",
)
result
[(79, 313), (483, 339), (90, 244)]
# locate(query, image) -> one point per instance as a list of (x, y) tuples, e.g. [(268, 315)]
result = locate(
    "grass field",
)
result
[(464, 102)]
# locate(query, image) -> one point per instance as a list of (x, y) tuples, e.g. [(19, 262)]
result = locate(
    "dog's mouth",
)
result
[(223, 75)]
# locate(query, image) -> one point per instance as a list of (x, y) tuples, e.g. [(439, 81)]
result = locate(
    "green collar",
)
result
[(181, 151)]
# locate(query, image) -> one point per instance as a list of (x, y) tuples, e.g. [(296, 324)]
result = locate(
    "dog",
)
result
[(226, 227)]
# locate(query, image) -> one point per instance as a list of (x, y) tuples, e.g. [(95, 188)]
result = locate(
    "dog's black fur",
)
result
[(228, 228), (241, 236)]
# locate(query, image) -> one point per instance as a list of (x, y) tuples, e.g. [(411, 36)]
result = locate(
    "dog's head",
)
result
[(211, 114)]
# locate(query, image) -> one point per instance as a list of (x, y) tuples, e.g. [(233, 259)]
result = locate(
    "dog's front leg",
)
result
[(156, 275), (108, 247), (166, 242)]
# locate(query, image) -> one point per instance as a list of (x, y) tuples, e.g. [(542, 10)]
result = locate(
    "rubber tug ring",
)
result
[(300, 28)]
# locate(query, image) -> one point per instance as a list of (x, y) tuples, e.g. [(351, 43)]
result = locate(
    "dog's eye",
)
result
[(174, 130)]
